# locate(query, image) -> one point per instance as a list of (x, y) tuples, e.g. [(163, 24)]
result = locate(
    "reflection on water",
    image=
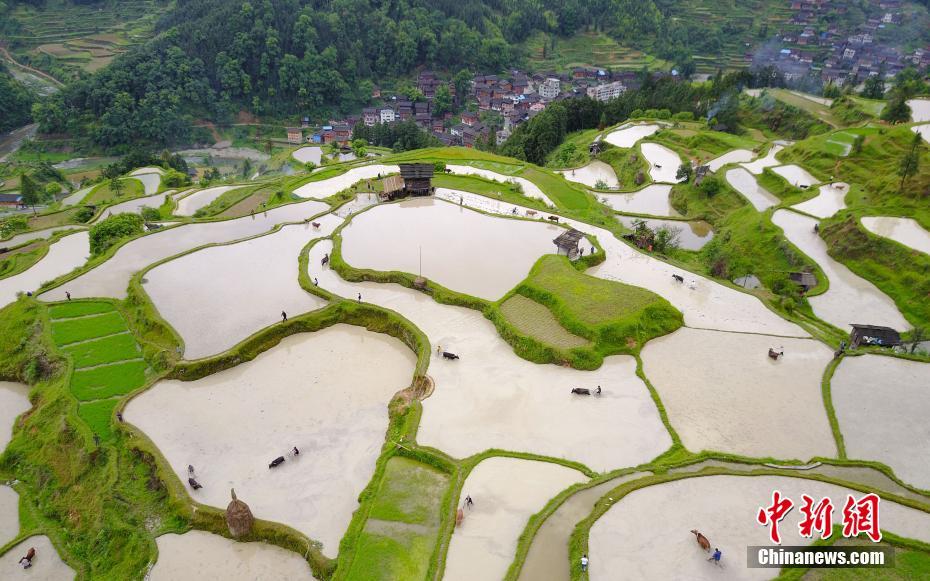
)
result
[(692, 235)]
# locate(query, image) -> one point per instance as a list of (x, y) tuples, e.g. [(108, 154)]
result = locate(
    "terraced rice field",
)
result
[(107, 359)]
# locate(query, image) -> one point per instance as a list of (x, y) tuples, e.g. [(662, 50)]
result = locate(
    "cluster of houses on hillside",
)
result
[(495, 104), (811, 48)]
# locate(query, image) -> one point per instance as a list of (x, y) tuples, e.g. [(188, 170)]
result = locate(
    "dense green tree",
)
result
[(30, 191), (897, 110), (15, 101), (874, 88), (105, 234), (442, 100)]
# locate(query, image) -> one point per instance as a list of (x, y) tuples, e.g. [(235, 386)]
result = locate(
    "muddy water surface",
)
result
[(905, 231), (68, 253)]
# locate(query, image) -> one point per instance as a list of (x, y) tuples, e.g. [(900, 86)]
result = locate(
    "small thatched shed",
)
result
[(393, 187), (873, 335), (239, 517), (567, 242)]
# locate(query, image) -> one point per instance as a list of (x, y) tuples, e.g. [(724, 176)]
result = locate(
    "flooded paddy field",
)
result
[(720, 380), (663, 162), (518, 405), (208, 557), (756, 167), (457, 247), (9, 514), (652, 200), (190, 203), (327, 187), (628, 135), (530, 189), (505, 492), (735, 156), (745, 183), (887, 425), (850, 298), (723, 508), (904, 231), (325, 393), (46, 566), (68, 253), (796, 175), (691, 235), (20, 239), (111, 278), (135, 206), (218, 296), (596, 174), (830, 199)]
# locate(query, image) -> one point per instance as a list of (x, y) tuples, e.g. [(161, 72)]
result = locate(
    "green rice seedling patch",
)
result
[(537, 321), (97, 415), (80, 329), (108, 349), (108, 380), (78, 309)]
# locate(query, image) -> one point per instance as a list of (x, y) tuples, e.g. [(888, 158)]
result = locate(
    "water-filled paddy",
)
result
[(720, 381), (723, 508), (189, 204), (652, 200), (311, 154), (596, 174), (150, 181), (20, 239), (830, 200), (691, 235), (923, 131), (9, 514), (208, 557), (735, 156), (490, 398), (325, 188), (325, 393), (905, 231), (218, 296), (111, 278), (769, 160), (796, 175), (704, 303), (135, 206), (664, 163), (530, 189), (460, 249), (506, 492), (850, 298), (920, 109), (888, 424), (14, 400), (628, 135), (46, 566), (745, 183), (63, 256)]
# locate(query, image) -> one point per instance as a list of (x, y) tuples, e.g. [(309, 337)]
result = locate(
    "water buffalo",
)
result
[(448, 355), (276, 462), (678, 278), (701, 540), (553, 218), (581, 391), (194, 484), (773, 354)]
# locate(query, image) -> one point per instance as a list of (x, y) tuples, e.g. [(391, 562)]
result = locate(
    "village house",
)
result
[(387, 115), (469, 117), (550, 88), (370, 116), (11, 200), (607, 91), (295, 135)]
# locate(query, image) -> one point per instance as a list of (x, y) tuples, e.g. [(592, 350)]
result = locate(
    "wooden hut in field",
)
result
[(567, 243), (872, 335), (392, 187), (239, 517), (805, 280), (417, 178)]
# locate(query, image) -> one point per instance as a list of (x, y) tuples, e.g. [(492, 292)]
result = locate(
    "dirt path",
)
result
[(13, 140), (9, 58)]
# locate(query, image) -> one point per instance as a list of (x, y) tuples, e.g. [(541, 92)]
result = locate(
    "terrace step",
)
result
[(82, 341), (120, 362)]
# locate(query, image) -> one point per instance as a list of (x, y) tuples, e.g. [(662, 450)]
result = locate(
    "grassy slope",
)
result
[(626, 163), (401, 533), (615, 316)]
